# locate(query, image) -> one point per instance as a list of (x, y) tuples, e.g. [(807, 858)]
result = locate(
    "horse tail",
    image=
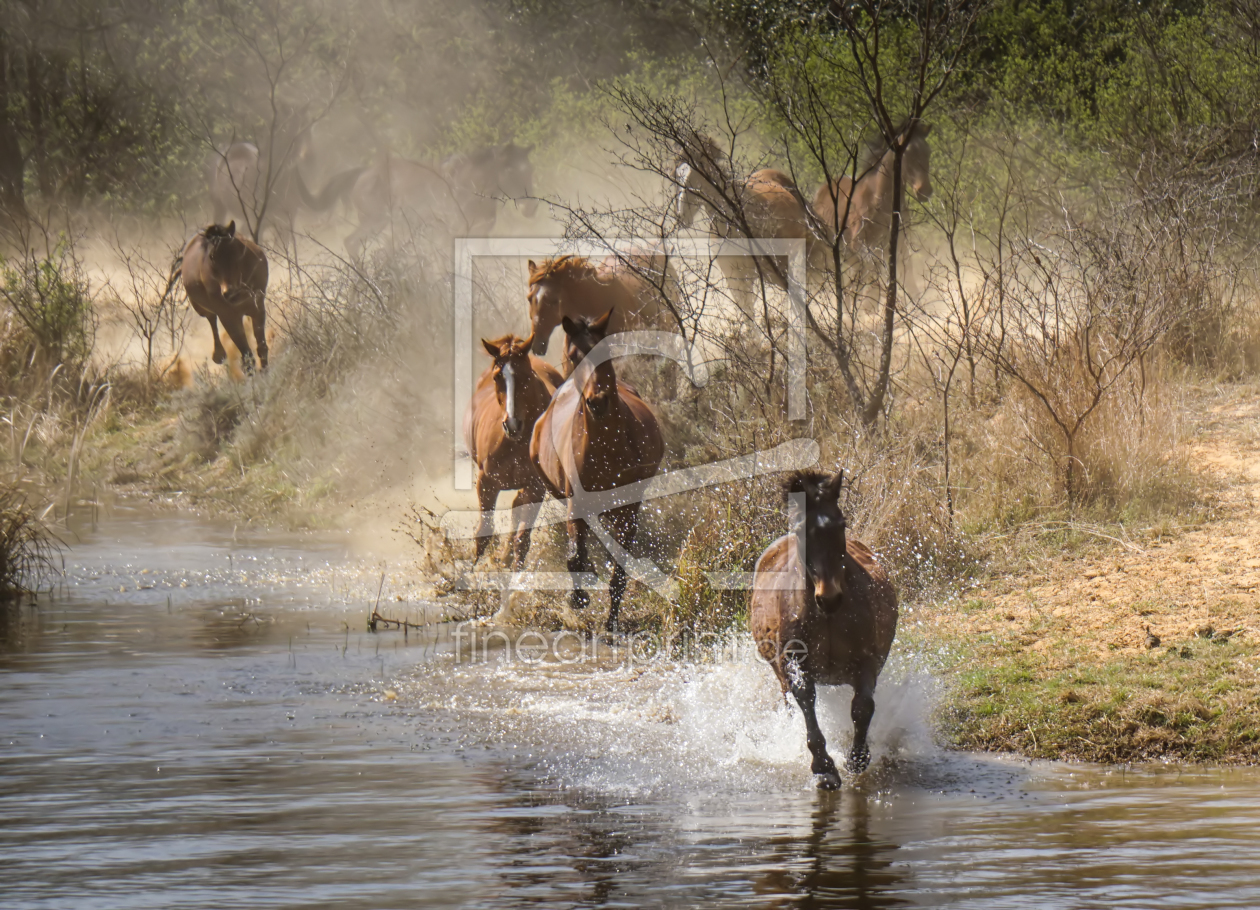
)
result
[(338, 185)]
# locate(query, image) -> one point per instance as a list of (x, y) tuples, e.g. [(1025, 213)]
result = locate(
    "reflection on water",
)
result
[(181, 729)]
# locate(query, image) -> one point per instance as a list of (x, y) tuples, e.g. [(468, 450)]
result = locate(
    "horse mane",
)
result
[(568, 266), (876, 146), (701, 150)]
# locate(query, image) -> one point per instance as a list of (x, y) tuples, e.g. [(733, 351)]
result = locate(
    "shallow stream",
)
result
[(199, 718)]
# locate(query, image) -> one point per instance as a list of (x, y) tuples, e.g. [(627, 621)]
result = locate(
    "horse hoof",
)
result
[(859, 761), (218, 357), (828, 781)]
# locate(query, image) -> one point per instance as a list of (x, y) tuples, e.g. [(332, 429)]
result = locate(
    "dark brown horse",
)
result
[(458, 198), (498, 425), (226, 279), (765, 205), (826, 616), (864, 209), (596, 435), (569, 286)]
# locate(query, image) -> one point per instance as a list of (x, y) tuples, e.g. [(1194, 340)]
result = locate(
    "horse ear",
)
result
[(532, 267), (231, 228), (527, 344), (600, 325), (831, 489), (491, 348)]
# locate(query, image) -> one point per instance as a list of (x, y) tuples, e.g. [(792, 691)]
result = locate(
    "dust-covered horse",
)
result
[(570, 286), (458, 198), (510, 396), (264, 186), (765, 205), (596, 435), (225, 277), (823, 612), (864, 208)]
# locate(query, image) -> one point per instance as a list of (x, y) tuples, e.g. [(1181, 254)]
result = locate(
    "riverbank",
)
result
[(1136, 644)]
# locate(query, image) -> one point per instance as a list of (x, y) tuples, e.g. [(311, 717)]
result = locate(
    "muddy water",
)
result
[(199, 719)]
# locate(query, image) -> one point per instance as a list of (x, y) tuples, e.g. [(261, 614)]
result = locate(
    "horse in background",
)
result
[(570, 287), (225, 277), (765, 205), (458, 198), (863, 209), (509, 398), (265, 187), (596, 435), (823, 612)]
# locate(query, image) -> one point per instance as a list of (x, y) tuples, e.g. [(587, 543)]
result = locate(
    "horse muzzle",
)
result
[(923, 193), (512, 427)]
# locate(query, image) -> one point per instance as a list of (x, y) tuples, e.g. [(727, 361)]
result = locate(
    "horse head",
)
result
[(544, 306), (820, 531), (516, 176), (217, 235), (512, 371), (916, 161), (599, 387)]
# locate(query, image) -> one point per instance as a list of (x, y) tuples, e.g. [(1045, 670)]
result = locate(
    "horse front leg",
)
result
[(219, 354), (578, 563), (823, 767), (234, 325), (487, 496), (624, 524), (861, 710), (525, 511)]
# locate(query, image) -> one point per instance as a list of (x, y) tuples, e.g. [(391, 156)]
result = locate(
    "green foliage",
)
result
[(52, 300)]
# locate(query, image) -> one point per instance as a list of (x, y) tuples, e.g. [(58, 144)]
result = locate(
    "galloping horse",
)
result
[(766, 205), (827, 615), (498, 425), (864, 209), (225, 277), (569, 286), (460, 197), (596, 435)]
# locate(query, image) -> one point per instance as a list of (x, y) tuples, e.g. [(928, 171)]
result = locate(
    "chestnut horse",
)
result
[(596, 435), (827, 616), (510, 396), (766, 205), (864, 209), (460, 197), (226, 278), (569, 286)]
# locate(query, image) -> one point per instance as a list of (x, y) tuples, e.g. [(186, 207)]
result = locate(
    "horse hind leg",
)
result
[(259, 320), (805, 693)]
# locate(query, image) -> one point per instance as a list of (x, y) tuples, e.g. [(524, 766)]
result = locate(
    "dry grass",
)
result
[(26, 546)]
